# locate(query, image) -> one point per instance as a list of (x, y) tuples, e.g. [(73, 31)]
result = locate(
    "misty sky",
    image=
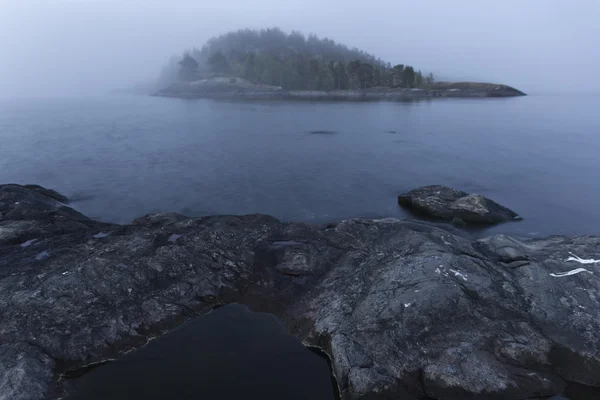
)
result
[(74, 47)]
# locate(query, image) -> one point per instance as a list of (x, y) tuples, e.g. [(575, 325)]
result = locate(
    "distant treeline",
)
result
[(294, 62)]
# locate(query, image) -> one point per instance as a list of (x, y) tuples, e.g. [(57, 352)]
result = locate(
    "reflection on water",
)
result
[(231, 353)]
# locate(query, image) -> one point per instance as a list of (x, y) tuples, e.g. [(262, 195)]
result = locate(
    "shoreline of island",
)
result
[(239, 88)]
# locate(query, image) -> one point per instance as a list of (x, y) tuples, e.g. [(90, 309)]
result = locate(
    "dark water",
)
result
[(229, 354), (128, 156)]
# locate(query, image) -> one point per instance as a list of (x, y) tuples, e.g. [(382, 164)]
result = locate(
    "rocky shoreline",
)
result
[(237, 88), (403, 309)]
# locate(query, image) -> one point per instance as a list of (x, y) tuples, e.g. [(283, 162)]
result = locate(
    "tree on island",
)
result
[(409, 76), (189, 68), (218, 62), (296, 62), (397, 74)]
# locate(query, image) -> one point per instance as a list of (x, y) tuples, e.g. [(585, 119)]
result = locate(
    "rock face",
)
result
[(445, 203), (400, 307)]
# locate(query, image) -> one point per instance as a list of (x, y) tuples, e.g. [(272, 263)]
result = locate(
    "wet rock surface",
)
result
[(442, 202), (403, 309)]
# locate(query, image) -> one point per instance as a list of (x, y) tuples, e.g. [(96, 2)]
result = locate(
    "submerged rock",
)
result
[(403, 309), (442, 202)]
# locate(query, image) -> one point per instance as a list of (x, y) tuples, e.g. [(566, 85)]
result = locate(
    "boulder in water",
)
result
[(442, 202)]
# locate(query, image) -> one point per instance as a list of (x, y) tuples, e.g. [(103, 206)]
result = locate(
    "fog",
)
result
[(79, 47)]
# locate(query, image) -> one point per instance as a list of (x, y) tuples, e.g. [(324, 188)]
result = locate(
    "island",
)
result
[(271, 64)]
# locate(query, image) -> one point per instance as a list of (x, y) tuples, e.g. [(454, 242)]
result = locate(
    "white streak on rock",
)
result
[(572, 272), (456, 273), (101, 235), (28, 243), (581, 260), (406, 305), (173, 238)]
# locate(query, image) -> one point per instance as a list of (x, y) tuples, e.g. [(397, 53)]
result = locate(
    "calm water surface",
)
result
[(229, 354), (125, 156)]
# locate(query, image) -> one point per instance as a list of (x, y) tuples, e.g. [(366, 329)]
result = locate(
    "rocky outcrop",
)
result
[(28, 213), (53, 194), (442, 202), (490, 89), (400, 307), (227, 87)]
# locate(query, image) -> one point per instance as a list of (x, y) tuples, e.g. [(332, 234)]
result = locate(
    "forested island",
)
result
[(270, 63)]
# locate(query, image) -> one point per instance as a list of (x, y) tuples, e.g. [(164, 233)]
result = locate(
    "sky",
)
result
[(78, 47)]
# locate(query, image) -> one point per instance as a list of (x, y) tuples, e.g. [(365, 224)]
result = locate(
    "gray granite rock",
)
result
[(445, 203), (400, 307), (25, 372)]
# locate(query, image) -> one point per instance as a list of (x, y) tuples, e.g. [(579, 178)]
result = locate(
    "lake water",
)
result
[(125, 156)]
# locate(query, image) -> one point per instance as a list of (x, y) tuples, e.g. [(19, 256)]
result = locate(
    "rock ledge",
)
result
[(403, 309)]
